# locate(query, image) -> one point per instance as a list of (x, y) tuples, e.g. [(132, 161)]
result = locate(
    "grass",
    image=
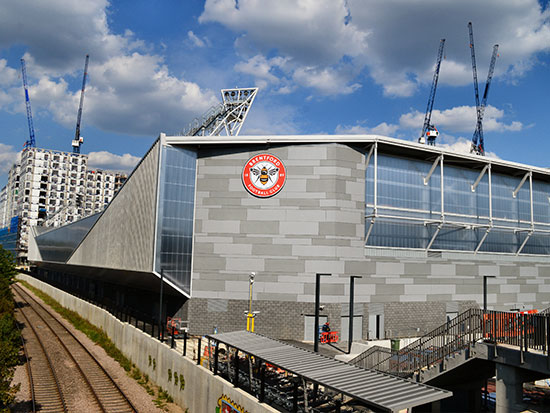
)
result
[(99, 337)]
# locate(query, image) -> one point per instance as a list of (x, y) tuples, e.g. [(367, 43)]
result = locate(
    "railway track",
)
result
[(48, 391)]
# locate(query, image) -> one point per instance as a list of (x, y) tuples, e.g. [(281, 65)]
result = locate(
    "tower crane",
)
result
[(30, 143), (79, 140), (478, 145), (428, 129)]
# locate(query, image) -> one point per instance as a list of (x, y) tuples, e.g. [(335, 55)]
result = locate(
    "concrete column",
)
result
[(509, 387)]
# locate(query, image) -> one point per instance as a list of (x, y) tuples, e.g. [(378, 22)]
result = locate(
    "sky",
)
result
[(322, 67)]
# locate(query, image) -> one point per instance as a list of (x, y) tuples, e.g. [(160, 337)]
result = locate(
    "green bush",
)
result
[(10, 341)]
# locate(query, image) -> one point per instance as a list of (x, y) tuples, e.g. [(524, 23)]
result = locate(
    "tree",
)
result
[(10, 341)]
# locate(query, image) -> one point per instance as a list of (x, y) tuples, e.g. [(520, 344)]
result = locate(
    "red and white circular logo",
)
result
[(264, 175)]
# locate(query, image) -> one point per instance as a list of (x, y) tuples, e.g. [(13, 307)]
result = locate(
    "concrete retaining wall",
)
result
[(201, 391)]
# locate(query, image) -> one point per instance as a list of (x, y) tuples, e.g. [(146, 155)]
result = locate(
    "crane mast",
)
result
[(30, 143), (428, 129), (478, 145), (474, 71), (479, 125), (78, 140)]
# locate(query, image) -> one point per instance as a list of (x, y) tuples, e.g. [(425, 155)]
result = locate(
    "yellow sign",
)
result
[(226, 405)]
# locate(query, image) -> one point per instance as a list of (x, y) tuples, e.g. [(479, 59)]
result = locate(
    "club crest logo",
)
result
[(264, 175)]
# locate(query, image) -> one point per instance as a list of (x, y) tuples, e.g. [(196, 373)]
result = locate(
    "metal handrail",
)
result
[(450, 338), (526, 331)]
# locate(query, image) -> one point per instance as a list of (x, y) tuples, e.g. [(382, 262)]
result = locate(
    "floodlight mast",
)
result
[(228, 116)]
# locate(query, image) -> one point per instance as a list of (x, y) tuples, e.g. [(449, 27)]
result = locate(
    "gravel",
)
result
[(76, 400)]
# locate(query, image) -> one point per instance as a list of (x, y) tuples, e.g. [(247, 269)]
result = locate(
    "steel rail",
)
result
[(48, 378), (27, 363), (106, 396)]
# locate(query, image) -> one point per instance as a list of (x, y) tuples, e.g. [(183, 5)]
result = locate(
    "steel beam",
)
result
[(432, 169), (478, 180), (515, 193)]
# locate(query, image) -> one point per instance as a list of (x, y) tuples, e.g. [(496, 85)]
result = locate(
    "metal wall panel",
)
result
[(123, 237)]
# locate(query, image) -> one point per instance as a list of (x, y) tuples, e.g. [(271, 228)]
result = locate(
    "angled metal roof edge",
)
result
[(367, 138), (398, 407)]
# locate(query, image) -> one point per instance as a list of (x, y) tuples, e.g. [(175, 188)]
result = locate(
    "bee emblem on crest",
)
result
[(264, 173)]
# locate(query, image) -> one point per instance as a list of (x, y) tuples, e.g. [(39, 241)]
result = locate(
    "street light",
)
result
[(317, 308), (351, 304), (250, 316), (485, 291)]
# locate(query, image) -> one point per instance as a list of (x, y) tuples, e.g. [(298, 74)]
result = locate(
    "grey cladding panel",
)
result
[(123, 236)]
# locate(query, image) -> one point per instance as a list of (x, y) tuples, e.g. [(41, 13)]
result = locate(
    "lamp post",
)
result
[(250, 315), (161, 329), (351, 304), (485, 291), (317, 304)]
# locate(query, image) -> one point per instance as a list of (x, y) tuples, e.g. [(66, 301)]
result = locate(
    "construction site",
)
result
[(310, 273)]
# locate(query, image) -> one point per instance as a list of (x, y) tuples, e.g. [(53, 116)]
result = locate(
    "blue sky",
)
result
[(322, 66)]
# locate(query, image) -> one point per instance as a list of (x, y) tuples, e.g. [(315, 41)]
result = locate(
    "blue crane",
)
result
[(30, 143), (78, 140), (429, 129), (478, 145)]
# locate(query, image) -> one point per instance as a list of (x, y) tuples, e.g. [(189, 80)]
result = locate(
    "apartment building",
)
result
[(52, 188)]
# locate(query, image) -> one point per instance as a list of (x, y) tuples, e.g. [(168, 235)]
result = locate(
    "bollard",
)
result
[(185, 343), (172, 339), (199, 352)]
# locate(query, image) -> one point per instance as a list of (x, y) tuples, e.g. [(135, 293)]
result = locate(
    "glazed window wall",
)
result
[(58, 244), (430, 205), (175, 215)]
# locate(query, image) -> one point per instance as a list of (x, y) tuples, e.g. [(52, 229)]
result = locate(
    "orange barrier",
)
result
[(329, 337), (507, 325)]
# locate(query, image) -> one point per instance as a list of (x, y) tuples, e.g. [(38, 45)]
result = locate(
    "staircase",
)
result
[(450, 343), (453, 344)]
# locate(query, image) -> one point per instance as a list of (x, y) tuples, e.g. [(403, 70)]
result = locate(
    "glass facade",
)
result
[(175, 215), (407, 209), (9, 236), (58, 245)]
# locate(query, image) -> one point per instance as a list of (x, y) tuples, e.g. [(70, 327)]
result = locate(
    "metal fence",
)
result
[(527, 331)]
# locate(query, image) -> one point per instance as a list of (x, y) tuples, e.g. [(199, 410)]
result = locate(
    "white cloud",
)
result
[(402, 46), (383, 129), (313, 37), (311, 31), (8, 156), (130, 90), (8, 75), (261, 68), (461, 119), (463, 145), (111, 161), (197, 41), (327, 80), (395, 40), (58, 33), (271, 120)]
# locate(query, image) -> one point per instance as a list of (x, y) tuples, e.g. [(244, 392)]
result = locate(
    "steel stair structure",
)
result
[(455, 343)]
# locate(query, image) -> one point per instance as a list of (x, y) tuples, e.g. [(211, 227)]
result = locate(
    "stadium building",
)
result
[(422, 225)]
